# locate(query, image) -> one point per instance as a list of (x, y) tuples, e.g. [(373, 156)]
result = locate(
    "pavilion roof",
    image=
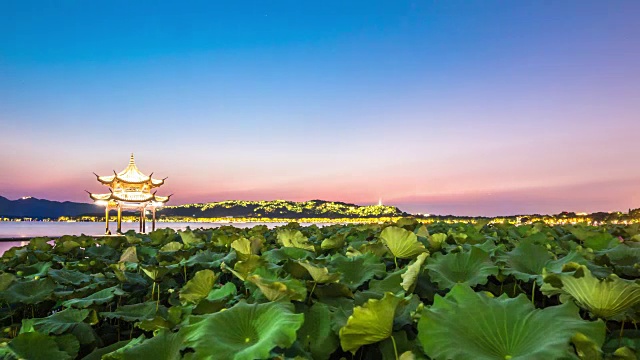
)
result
[(131, 197), (131, 175)]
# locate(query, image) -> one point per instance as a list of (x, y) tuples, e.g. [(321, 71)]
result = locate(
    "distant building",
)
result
[(130, 189)]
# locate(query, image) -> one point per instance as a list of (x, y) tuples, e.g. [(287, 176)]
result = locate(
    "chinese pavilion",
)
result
[(130, 189)]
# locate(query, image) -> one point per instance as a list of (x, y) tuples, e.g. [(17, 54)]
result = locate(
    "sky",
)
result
[(442, 107)]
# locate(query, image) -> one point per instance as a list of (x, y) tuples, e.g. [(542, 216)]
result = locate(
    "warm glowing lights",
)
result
[(130, 189)]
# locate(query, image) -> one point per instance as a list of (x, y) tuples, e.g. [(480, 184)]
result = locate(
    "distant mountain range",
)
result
[(40, 208)]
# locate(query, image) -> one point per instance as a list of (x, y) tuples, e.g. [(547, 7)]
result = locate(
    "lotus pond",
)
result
[(400, 290)]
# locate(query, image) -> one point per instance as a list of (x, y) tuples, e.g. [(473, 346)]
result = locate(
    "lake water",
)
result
[(28, 229)]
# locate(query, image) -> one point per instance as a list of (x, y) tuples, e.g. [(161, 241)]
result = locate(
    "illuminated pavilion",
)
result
[(130, 189)]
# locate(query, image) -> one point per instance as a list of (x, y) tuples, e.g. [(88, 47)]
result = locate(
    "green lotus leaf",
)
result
[(624, 353), (129, 255), (69, 344), (335, 241), (471, 267), (162, 236), (98, 353), (526, 261), (69, 277), (402, 243), (333, 290), (376, 248), (249, 265), (60, 322), (6, 279), (278, 256), (401, 347), (243, 247), (390, 283), (172, 246), (102, 252), (165, 345), (294, 238), (216, 300), (243, 332), (586, 348), (369, 323), (39, 243), (315, 335), (136, 312), (624, 259), (155, 272), (36, 346), (34, 270), (65, 246), (357, 270), (100, 297), (198, 287), (422, 231), (28, 292), (280, 289), (190, 238), (411, 275), (208, 259), (607, 298), (436, 240), (320, 275), (601, 241), (469, 325)]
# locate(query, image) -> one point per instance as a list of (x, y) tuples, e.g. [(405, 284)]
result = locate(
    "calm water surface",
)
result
[(25, 229)]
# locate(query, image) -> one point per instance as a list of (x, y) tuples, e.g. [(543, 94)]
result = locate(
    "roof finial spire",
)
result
[(131, 160)]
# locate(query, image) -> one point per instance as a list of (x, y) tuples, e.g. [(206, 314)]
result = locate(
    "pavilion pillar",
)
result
[(140, 225), (106, 219), (144, 219), (119, 219), (153, 223)]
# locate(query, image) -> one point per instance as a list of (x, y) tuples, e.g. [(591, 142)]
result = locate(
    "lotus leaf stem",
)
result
[(533, 293), (395, 348), (315, 283)]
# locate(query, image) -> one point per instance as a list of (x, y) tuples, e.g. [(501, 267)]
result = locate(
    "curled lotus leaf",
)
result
[(369, 323), (335, 241), (279, 289), (129, 255), (606, 298), (242, 246), (172, 247), (243, 332), (469, 325), (320, 275), (411, 275), (471, 267), (436, 240), (198, 287), (191, 238), (294, 238), (402, 243)]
